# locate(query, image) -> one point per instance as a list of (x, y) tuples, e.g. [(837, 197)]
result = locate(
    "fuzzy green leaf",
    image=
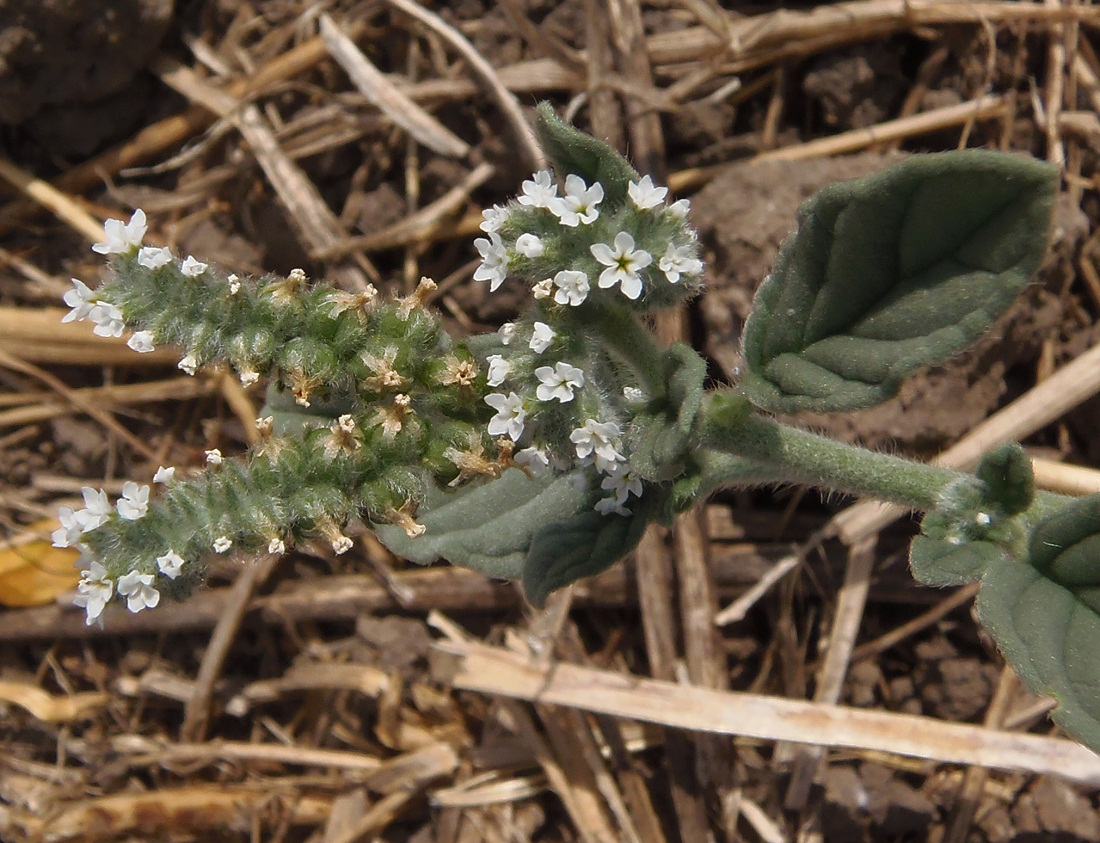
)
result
[(1044, 613), (572, 151), (1008, 478), (941, 562), (891, 273), (662, 435), (488, 526), (581, 546)]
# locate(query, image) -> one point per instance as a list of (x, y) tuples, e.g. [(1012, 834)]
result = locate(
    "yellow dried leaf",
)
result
[(34, 572)]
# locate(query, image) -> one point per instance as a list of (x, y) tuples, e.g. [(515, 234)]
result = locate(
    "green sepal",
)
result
[(572, 151), (584, 545), (1044, 613), (488, 526), (894, 272), (662, 436), (1008, 478)]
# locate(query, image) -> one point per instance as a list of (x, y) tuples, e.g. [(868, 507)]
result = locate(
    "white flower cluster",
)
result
[(122, 239), (624, 263), (95, 589), (596, 444)]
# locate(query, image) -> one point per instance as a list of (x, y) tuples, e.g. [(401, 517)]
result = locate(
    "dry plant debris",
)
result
[(764, 671)]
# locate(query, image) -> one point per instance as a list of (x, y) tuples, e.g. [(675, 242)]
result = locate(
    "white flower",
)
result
[(170, 564), (108, 320), (94, 591), (122, 237), (138, 590), (543, 290), (192, 268), (222, 544), (578, 206), (494, 261), (534, 459), (81, 299), (598, 441), (572, 287), (680, 208), (679, 260), (558, 382), (510, 415), (234, 284), (608, 506), (141, 342), (530, 246), (493, 218), (645, 194), (248, 378), (623, 263), (152, 257), (134, 502), (499, 369), (541, 338), (507, 333), (539, 191), (276, 547), (623, 483), (341, 545), (97, 509), (165, 475), (189, 364), (214, 457), (71, 529)]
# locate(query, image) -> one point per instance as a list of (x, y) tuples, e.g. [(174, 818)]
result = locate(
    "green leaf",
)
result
[(582, 546), (572, 151), (488, 526), (290, 418), (1044, 613), (941, 562), (662, 435), (1008, 478), (891, 273)]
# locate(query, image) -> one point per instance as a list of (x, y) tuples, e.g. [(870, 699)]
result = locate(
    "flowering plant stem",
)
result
[(787, 454)]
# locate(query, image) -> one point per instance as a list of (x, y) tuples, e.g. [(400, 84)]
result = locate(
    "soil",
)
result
[(336, 655)]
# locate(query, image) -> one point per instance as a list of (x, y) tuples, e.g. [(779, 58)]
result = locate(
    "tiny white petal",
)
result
[(578, 206), (189, 364), (170, 564), (542, 337), (493, 218), (138, 590), (134, 503), (165, 475), (534, 459), (539, 191), (81, 299), (543, 290), (510, 415), (122, 238), (572, 287), (214, 457), (249, 378), (645, 194), (152, 257), (108, 319), (530, 245), (494, 260), (193, 268), (341, 545), (222, 544), (558, 382), (276, 547), (499, 369), (680, 207), (507, 333), (141, 342)]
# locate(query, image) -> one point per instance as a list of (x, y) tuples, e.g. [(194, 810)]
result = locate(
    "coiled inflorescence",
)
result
[(370, 401)]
